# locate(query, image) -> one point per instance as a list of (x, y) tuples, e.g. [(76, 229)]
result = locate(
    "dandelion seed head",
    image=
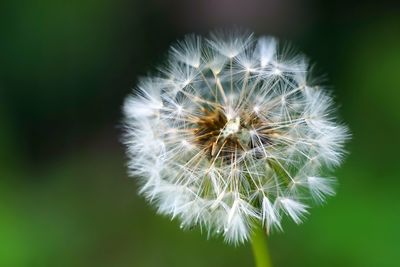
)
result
[(230, 133)]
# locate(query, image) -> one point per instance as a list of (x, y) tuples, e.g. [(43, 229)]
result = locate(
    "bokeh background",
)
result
[(65, 67)]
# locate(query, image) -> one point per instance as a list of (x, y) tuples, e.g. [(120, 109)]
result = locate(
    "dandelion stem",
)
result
[(260, 248)]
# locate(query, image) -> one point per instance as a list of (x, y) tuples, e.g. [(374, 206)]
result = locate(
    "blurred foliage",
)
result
[(65, 199)]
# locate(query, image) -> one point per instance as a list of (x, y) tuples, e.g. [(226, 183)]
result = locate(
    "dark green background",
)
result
[(65, 67)]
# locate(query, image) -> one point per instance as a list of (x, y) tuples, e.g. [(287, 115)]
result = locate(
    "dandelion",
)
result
[(233, 132)]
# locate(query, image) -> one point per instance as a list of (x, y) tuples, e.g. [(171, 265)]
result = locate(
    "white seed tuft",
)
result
[(230, 133)]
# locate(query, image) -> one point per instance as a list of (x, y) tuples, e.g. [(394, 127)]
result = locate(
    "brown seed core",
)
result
[(209, 134), (208, 131)]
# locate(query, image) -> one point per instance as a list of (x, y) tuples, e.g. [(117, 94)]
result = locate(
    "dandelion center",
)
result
[(229, 138)]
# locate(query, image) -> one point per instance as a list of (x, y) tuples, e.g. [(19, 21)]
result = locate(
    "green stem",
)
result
[(260, 248)]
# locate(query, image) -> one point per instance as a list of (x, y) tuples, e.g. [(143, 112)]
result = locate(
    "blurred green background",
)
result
[(65, 67)]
